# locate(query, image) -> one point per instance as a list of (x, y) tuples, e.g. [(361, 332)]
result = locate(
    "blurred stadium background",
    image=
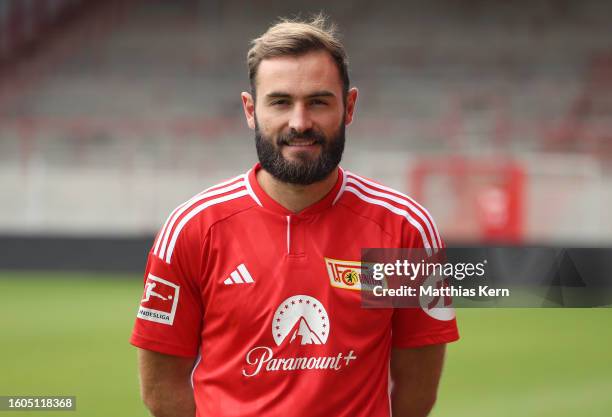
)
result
[(496, 115)]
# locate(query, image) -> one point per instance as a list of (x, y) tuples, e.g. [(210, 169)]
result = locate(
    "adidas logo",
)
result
[(239, 276)]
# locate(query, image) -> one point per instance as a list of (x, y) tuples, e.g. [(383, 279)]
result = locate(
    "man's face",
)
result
[(299, 116)]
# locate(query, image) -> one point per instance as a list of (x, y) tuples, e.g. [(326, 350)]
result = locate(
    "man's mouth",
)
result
[(300, 142)]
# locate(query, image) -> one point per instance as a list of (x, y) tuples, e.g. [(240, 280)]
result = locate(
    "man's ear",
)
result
[(248, 105), (351, 101)]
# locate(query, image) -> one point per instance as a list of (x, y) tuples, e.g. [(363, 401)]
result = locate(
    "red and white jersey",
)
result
[(267, 299)]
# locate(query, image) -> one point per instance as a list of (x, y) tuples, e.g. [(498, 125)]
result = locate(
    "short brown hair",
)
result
[(294, 37)]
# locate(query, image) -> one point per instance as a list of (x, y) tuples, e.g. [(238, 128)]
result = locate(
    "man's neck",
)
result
[(295, 197)]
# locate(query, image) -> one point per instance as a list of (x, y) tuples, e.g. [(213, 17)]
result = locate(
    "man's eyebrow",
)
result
[(322, 93), (282, 94), (277, 94)]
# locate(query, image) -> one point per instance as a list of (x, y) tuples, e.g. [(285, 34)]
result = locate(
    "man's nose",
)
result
[(300, 120)]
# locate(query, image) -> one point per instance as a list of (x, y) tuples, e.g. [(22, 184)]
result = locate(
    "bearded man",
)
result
[(260, 315)]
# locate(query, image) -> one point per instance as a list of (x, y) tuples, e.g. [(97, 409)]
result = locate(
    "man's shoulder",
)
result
[(199, 213), (388, 207), (374, 198), (218, 201)]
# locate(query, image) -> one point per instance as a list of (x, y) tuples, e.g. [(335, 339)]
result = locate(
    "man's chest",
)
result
[(291, 280)]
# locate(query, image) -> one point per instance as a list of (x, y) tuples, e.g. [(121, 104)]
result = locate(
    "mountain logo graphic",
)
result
[(300, 319)]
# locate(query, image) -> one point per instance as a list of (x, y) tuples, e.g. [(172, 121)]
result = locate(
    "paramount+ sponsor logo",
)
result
[(261, 358), (299, 320)]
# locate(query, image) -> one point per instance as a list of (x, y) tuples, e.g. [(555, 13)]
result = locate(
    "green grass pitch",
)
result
[(67, 334)]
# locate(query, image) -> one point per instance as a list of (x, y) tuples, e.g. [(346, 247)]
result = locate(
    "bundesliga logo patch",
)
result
[(347, 275), (159, 300)]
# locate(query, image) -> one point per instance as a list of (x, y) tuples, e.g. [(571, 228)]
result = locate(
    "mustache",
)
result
[(285, 139)]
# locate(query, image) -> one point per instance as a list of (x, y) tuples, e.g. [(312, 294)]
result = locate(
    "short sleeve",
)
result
[(421, 326), (414, 327), (169, 317)]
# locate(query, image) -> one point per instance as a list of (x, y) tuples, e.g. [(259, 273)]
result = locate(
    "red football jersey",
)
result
[(269, 300)]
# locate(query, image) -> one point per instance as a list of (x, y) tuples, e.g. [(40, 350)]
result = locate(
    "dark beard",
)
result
[(303, 171)]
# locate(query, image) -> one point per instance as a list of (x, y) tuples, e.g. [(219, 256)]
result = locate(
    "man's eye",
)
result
[(316, 102), (280, 102)]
